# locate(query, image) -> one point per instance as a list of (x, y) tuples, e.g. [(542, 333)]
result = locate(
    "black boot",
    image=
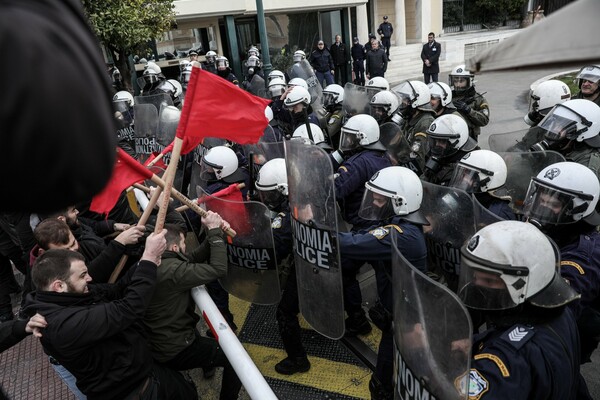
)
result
[(378, 392), (291, 365), (357, 324)]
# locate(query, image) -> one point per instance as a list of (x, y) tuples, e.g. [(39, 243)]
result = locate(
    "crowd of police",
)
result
[(405, 161)]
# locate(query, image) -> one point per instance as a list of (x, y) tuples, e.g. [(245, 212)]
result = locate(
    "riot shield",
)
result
[(251, 264), (314, 228), (509, 141), (396, 145), (257, 87), (483, 216), (521, 167), (168, 119), (432, 336), (267, 148), (357, 99), (450, 214), (304, 70), (146, 111)]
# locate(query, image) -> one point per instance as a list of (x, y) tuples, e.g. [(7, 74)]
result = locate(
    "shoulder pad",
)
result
[(518, 335)]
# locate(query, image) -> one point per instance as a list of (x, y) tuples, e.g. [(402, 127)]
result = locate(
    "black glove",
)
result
[(462, 106)]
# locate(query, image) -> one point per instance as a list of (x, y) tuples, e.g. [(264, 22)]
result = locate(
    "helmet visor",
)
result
[(550, 205), (276, 90), (252, 62), (466, 178), (589, 74), (375, 206), (270, 198), (329, 99), (349, 139), (559, 127), (483, 287), (379, 112), (441, 146)]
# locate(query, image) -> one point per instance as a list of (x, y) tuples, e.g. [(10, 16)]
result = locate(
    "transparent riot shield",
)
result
[(483, 216), (521, 167), (257, 87), (168, 119), (146, 111), (450, 214), (314, 227), (432, 336), (509, 141), (251, 264), (396, 145), (357, 99), (304, 70)]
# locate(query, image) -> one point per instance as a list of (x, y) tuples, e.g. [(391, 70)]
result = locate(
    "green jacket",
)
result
[(171, 318)]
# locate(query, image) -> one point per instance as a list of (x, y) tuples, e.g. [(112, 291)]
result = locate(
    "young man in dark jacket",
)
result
[(358, 62), (377, 61), (95, 330)]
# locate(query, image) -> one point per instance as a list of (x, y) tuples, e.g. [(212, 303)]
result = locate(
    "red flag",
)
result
[(233, 210), (189, 144), (126, 172), (214, 107)]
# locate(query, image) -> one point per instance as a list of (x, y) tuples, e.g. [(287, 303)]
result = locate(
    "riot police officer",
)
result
[(383, 106), (224, 71), (483, 173), (472, 105), (530, 346), (449, 141), (562, 201), (391, 202), (441, 99), (360, 155), (333, 99), (210, 63), (588, 80), (272, 188)]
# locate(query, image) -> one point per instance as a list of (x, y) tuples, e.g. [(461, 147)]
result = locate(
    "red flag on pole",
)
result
[(189, 144), (232, 210), (126, 172), (216, 108)]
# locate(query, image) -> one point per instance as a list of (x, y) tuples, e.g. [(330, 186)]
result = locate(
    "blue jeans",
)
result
[(69, 380), (324, 76)]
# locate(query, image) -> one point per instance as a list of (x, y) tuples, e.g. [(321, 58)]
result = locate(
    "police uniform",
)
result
[(374, 245), (538, 361), (579, 265), (415, 132), (479, 113), (288, 307), (333, 125), (584, 154)]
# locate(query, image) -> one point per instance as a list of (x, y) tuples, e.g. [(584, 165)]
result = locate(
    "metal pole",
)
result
[(264, 43)]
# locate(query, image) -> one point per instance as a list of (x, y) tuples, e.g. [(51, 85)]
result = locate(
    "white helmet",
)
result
[(545, 96), (177, 87), (253, 61), (296, 96), (412, 94), (333, 94), (211, 57), (269, 113), (222, 61), (298, 82), (276, 87), (152, 68), (186, 74), (589, 73), (219, 162), (563, 193), (272, 183), (276, 74), (447, 134), (576, 119), (378, 82), (361, 130), (508, 263), (125, 97), (253, 51), (152, 74), (318, 137), (299, 55), (457, 74), (479, 171), (440, 90), (383, 105), (183, 63), (393, 191)]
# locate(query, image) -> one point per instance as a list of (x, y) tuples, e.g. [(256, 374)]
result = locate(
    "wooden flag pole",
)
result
[(185, 207), (169, 177)]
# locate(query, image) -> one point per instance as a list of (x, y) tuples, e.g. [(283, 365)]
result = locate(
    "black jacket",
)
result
[(339, 54), (376, 64), (431, 53), (385, 29), (321, 60), (358, 52), (98, 335)]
